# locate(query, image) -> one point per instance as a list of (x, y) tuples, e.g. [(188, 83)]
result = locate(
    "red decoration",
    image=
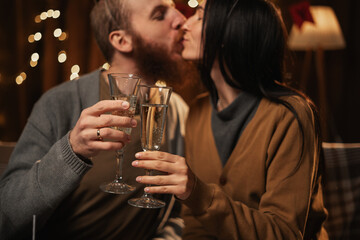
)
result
[(300, 13), (185, 9)]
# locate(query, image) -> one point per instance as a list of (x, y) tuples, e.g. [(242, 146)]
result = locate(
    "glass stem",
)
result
[(119, 164), (148, 172)]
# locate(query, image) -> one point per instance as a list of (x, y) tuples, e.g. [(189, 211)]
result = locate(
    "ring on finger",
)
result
[(99, 137)]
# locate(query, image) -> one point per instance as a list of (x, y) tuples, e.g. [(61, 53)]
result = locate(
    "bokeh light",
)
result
[(57, 32), (31, 38), (193, 3), (35, 57), (106, 66), (50, 13), (74, 76), (37, 36), (21, 78), (62, 57), (33, 63), (37, 19), (63, 36), (75, 69), (23, 75), (43, 15), (56, 14)]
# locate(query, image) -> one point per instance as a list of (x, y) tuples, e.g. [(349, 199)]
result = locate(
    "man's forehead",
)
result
[(147, 6)]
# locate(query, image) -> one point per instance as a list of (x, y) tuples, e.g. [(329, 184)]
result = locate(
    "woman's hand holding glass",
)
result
[(179, 179)]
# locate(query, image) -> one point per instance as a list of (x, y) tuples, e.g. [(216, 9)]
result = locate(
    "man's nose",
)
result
[(179, 20)]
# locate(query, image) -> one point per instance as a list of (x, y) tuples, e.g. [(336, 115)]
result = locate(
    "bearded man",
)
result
[(60, 161)]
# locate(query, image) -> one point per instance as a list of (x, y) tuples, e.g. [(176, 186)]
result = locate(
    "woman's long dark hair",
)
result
[(248, 39)]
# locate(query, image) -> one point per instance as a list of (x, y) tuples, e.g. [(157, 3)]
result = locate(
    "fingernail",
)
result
[(135, 163), (125, 104), (138, 179), (138, 155), (146, 189), (133, 122)]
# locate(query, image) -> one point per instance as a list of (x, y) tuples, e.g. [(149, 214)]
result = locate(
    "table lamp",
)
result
[(319, 31)]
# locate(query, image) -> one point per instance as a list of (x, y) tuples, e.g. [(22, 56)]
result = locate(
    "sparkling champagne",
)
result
[(152, 125), (130, 112)]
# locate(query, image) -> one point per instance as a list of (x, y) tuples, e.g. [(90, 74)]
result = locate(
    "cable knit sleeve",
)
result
[(43, 169)]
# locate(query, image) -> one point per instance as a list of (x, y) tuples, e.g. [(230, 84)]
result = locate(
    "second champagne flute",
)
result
[(123, 86), (153, 107)]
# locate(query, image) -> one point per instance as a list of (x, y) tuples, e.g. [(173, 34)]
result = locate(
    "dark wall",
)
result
[(342, 67), (342, 72)]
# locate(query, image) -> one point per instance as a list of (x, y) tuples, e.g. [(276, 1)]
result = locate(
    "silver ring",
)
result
[(99, 137)]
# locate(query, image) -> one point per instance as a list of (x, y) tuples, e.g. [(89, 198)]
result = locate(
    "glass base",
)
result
[(146, 202), (117, 187)]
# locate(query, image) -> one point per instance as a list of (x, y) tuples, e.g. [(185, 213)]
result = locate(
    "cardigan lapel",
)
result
[(211, 137), (241, 143)]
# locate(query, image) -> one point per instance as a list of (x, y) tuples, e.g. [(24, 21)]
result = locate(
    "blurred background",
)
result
[(46, 42)]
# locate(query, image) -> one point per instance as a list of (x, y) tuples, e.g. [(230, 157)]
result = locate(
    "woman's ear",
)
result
[(121, 41)]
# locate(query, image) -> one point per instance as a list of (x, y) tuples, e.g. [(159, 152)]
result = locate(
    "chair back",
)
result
[(342, 189)]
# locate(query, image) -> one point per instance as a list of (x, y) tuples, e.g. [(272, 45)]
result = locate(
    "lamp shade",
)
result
[(325, 32)]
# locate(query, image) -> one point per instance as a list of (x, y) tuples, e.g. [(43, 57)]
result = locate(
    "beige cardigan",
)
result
[(259, 193)]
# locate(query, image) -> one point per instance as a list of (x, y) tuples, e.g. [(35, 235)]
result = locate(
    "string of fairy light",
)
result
[(61, 36), (193, 3), (36, 37)]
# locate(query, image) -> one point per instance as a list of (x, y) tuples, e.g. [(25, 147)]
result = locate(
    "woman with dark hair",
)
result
[(252, 168)]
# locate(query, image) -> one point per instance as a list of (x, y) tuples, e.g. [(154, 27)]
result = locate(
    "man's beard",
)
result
[(155, 63)]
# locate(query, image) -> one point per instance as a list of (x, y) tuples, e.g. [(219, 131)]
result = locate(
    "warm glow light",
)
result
[(193, 3), (50, 13), (57, 32), (31, 38), (62, 57), (106, 66), (35, 57), (43, 15), (63, 36), (160, 83), (74, 76), (56, 14), (23, 75), (19, 80), (325, 33), (33, 64), (75, 69), (37, 19), (37, 36)]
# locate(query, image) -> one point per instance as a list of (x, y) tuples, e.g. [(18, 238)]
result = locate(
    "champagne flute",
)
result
[(123, 86), (153, 107)]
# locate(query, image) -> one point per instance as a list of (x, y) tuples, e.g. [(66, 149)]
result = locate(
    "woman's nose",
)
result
[(186, 26)]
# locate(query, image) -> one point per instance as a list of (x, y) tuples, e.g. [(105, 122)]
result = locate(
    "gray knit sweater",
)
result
[(43, 169)]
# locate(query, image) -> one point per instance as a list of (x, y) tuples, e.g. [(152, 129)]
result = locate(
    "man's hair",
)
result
[(107, 16)]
